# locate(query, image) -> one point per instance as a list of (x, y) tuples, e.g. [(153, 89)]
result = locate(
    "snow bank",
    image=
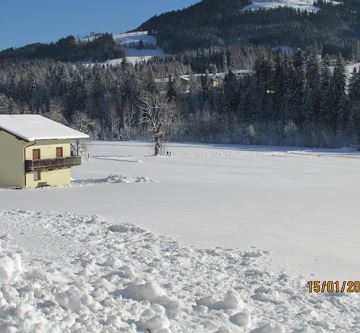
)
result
[(111, 179), (63, 272)]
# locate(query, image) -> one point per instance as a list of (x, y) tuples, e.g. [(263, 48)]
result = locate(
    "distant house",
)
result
[(36, 151), (184, 82), (215, 82)]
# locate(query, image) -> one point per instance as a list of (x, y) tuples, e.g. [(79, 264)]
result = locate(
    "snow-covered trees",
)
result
[(158, 114), (83, 123), (291, 99)]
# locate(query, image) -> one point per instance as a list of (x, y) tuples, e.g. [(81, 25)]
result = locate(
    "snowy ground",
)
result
[(269, 209), (72, 273)]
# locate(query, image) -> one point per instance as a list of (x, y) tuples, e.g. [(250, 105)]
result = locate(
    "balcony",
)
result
[(51, 164)]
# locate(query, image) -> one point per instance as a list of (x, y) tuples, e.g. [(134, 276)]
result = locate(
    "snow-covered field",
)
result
[(131, 41), (214, 238), (303, 5), (131, 38)]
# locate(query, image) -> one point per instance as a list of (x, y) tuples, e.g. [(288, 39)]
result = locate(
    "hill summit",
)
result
[(329, 26)]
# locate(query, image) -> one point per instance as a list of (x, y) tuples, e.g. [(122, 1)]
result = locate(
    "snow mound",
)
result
[(10, 267), (63, 272), (241, 319), (111, 179), (73, 299), (152, 292), (231, 301), (157, 323)]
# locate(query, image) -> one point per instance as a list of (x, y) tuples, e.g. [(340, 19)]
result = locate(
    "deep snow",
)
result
[(72, 273)]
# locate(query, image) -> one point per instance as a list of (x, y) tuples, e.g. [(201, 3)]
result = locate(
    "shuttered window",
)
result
[(59, 152), (36, 154)]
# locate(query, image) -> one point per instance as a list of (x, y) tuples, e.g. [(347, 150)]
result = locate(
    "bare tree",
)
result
[(56, 111), (158, 114), (83, 123)]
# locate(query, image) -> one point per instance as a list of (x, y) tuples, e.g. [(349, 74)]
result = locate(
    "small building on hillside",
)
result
[(36, 151)]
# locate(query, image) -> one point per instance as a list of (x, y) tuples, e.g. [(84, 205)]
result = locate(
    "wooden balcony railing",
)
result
[(54, 163)]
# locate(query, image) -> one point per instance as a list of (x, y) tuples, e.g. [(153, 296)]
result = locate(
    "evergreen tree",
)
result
[(326, 116), (299, 82), (171, 91), (339, 112)]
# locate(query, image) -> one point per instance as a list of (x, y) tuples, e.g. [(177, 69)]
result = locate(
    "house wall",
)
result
[(58, 177), (47, 148), (12, 164)]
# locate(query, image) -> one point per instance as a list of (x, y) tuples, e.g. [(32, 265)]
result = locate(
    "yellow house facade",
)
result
[(36, 152)]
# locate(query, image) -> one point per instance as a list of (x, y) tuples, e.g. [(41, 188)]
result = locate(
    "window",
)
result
[(37, 176), (36, 154), (59, 152)]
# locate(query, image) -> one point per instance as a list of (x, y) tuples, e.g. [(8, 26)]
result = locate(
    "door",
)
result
[(59, 152), (36, 154)]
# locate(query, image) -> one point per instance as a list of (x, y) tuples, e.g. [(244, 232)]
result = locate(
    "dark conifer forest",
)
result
[(215, 23)]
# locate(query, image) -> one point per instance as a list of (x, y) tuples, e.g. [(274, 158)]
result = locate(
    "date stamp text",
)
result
[(333, 287)]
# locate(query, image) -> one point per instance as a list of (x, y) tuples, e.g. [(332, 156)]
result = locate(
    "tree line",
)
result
[(298, 99), (68, 49)]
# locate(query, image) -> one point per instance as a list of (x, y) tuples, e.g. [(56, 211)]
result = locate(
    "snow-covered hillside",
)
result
[(139, 47), (303, 5), (132, 39)]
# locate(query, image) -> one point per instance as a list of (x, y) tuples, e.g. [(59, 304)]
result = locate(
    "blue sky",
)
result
[(28, 21)]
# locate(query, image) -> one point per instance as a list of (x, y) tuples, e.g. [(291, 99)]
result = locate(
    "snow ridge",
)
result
[(111, 179)]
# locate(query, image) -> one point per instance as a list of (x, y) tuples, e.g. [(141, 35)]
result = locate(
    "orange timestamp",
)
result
[(333, 287)]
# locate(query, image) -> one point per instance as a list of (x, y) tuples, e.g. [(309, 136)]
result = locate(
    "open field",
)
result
[(95, 258)]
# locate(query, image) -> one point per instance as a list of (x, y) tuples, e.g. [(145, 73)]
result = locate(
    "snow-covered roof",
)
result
[(34, 127)]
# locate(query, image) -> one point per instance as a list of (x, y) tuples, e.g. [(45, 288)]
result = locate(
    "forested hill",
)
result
[(68, 49), (222, 24), (213, 23)]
